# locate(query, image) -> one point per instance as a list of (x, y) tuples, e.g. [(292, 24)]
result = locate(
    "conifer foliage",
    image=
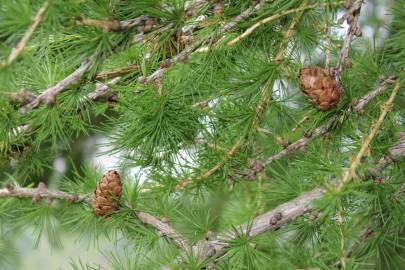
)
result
[(266, 134)]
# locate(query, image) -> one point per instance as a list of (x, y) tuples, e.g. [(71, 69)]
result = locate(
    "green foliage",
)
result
[(182, 127)]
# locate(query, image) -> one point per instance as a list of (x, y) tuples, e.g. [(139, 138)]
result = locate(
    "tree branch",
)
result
[(163, 228), (352, 17), (212, 38), (214, 246), (41, 192), (19, 48), (103, 92), (113, 25), (396, 152), (49, 95), (271, 220), (258, 166), (277, 217), (109, 74), (350, 173), (359, 108)]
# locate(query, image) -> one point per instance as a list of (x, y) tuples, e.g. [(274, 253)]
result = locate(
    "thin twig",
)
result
[(359, 108), (339, 221), (109, 74), (352, 17), (251, 29), (319, 131), (19, 48), (396, 152), (349, 174), (288, 34), (112, 25), (101, 93), (327, 42)]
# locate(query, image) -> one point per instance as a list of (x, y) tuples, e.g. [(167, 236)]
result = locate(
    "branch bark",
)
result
[(49, 95), (163, 228), (41, 192), (359, 108), (352, 17), (146, 22), (271, 220), (103, 92)]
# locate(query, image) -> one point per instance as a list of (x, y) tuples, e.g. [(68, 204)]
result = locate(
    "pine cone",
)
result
[(320, 87), (106, 197)]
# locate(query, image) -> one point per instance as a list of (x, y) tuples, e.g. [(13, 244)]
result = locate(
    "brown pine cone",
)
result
[(320, 87), (105, 200)]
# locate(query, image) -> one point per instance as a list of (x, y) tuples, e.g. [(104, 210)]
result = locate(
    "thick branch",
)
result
[(163, 228), (19, 48), (49, 95), (271, 220), (41, 192)]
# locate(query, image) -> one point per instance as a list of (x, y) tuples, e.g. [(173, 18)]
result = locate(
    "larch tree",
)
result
[(251, 134)]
